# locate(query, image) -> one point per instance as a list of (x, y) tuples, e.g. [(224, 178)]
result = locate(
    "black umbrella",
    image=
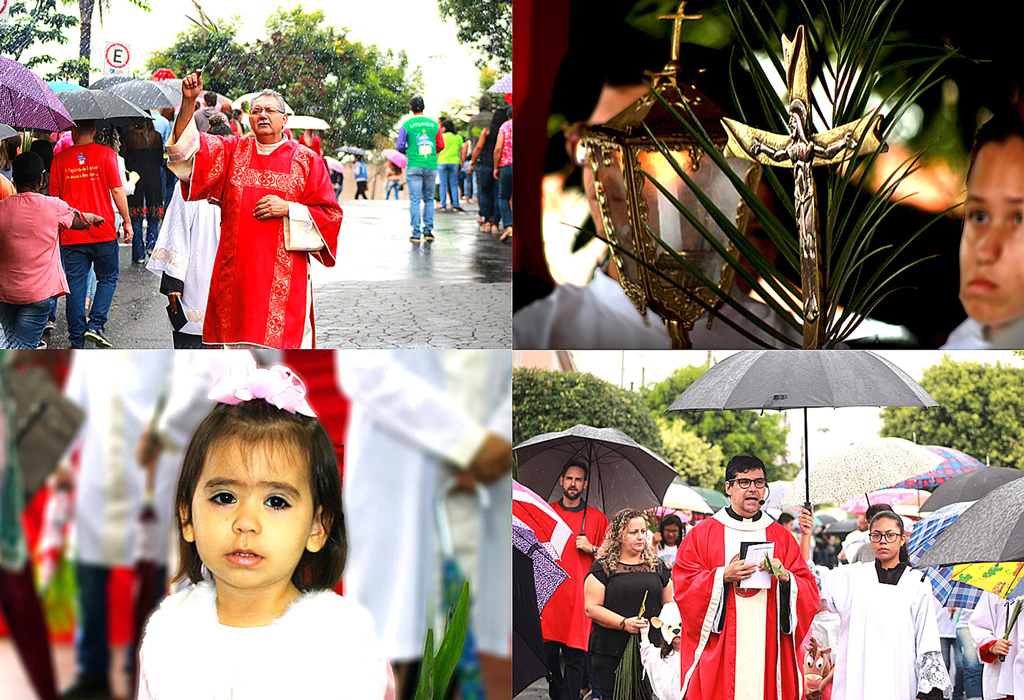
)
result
[(352, 151), (527, 640), (784, 379), (992, 530), (623, 473), (841, 527), (145, 94), (970, 486), (101, 106)]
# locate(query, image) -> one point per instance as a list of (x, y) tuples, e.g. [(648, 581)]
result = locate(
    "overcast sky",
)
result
[(830, 429), (414, 26)]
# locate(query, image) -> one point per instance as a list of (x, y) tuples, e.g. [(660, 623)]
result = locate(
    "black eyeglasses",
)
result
[(745, 483), (889, 537)]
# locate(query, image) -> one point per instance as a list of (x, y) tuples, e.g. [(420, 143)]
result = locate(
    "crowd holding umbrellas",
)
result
[(967, 533)]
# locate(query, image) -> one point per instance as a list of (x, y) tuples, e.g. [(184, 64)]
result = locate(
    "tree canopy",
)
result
[(37, 24), (546, 402), (694, 459), (485, 25), (734, 432), (981, 412), (358, 89)]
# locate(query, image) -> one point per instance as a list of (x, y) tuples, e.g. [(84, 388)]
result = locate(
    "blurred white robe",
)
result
[(417, 417), (988, 623), (118, 390)]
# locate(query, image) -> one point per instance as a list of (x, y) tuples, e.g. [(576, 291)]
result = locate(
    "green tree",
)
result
[(696, 461), (358, 89), (981, 411), (42, 24), (485, 25), (546, 402), (734, 432)]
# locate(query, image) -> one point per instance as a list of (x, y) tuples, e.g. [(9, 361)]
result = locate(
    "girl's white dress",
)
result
[(323, 646)]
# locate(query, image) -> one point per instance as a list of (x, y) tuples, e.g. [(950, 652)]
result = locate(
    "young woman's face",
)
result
[(883, 529), (252, 516), (634, 539)]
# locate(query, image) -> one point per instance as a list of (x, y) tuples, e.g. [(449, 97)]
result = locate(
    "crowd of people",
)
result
[(741, 606), (125, 183)]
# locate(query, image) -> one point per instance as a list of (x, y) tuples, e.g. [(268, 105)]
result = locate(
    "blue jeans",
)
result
[(170, 182), (77, 260), (467, 181), (968, 666), (23, 324), (92, 650), (391, 187), (486, 186), (421, 188), (449, 173), (142, 246), (505, 195)]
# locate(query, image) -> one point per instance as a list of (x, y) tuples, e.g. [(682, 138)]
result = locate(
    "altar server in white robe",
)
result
[(988, 627), (888, 644), (118, 390), (183, 258), (420, 419)]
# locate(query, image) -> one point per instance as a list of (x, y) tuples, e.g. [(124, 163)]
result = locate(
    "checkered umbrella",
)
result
[(950, 593), (954, 463)]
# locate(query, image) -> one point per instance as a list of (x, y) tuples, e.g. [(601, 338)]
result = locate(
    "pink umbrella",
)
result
[(395, 157), (335, 165), (661, 512), (893, 497)]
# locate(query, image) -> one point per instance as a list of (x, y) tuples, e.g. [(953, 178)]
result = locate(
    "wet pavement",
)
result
[(384, 292)]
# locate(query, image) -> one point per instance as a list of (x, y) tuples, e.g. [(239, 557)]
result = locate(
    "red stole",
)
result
[(709, 657), (564, 618), (258, 290)]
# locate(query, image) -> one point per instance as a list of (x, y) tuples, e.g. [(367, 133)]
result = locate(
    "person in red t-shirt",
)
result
[(86, 176), (564, 623)]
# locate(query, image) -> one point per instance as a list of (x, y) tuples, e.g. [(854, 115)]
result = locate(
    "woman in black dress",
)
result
[(625, 570)]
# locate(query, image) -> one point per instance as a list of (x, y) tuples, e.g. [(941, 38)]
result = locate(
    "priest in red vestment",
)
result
[(278, 208), (564, 622), (741, 643)]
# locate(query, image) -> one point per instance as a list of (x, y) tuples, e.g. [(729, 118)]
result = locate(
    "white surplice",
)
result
[(988, 623), (185, 250), (888, 639), (118, 391), (417, 417)]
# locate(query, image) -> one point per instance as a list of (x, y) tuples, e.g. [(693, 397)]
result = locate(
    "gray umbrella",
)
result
[(352, 151), (623, 473), (992, 530), (145, 94), (7, 132), (784, 379), (970, 486), (101, 106)]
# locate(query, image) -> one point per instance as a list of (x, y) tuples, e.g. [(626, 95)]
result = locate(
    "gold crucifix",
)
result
[(677, 30), (801, 150)]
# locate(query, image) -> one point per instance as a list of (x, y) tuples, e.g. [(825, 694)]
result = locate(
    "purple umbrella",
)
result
[(502, 84), (954, 463), (27, 102), (547, 574)]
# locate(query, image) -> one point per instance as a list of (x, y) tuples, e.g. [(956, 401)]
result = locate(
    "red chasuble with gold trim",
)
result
[(741, 644), (260, 292)]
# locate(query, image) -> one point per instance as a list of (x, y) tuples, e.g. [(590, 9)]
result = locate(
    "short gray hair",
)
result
[(276, 95)]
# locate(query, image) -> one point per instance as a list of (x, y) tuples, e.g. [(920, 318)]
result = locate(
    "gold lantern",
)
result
[(618, 153)]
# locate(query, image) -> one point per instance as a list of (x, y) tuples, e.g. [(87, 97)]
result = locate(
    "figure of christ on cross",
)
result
[(801, 150)]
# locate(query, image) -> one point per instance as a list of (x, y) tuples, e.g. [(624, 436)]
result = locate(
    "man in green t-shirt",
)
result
[(420, 139)]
